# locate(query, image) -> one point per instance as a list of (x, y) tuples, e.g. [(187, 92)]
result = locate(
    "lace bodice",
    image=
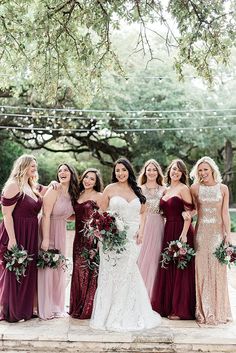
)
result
[(128, 211)]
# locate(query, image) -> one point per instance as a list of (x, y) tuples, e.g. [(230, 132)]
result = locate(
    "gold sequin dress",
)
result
[(212, 299)]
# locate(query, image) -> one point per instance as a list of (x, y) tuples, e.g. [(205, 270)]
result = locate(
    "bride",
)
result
[(121, 301)]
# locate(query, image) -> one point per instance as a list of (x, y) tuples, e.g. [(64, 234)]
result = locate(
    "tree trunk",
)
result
[(228, 175)]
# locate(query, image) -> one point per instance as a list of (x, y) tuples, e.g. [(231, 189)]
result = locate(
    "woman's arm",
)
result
[(186, 196), (104, 202), (49, 200), (10, 191), (225, 213), (143, 214)]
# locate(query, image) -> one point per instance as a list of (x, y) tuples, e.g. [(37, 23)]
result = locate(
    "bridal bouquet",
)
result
[(226, 254), (109, 229), (178, 252), (16, 260), (51, 258)]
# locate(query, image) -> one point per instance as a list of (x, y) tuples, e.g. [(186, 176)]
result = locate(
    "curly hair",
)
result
[(98, 184), (212, 164), (74, 183), (19, 171), (131, 178), (182, 167), (142, 179)]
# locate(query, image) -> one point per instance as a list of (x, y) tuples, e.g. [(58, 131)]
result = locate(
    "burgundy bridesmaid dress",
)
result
[(174, 289), (17, 299), (84, 281)]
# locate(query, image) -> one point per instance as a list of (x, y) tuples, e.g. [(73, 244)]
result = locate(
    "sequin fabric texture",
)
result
[(153, 197), (212, 299)]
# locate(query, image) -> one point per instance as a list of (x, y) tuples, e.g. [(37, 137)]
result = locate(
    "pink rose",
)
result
[(182, 251), (97, 234), (229, 251)]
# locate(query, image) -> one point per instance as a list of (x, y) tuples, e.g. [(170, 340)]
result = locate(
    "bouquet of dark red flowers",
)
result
[(51, 258), (109, 229), (16, 260), (226, 254), (178, 252)]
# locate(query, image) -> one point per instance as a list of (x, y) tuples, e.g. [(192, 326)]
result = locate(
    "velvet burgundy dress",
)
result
[(84, 280), (17, 299), (174, 289)]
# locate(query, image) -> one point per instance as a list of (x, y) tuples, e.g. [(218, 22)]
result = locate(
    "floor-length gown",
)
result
[(212, 299), (174, 289), (84, 280), (121, 300), (52, 282), (17, 299), (149, 258)]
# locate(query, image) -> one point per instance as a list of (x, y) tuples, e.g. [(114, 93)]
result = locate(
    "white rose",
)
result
[(179, 244), (120, 225), (56, 257), (21, 259), (227, 258), (175, 254)]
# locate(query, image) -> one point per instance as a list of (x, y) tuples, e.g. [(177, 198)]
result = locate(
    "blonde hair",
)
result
[(215, 170), (19, 171), (142, 179)]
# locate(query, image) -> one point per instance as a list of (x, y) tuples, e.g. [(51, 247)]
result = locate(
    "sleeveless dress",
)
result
[(84, 280), (52, 282), (174, 289), (17, 299), (212, 297), (149, 258), (121, 300)]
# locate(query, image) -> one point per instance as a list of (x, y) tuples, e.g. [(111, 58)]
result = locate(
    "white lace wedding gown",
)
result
[(121, 301)]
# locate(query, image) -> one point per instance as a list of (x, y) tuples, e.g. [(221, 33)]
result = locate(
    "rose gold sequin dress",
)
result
[(212, 299)]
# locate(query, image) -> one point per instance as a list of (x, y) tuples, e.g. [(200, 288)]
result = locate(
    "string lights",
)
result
[(67, 120)]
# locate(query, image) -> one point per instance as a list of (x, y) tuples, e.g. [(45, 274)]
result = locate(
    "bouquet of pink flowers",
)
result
[(16, 260), (226, 254), (51, 258), (109, 229), (178, 252), (91, 260)]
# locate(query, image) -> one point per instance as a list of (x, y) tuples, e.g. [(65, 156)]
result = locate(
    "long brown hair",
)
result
[(142, 179), (182, 167), (98, 184), (74, 183), (131, 178)]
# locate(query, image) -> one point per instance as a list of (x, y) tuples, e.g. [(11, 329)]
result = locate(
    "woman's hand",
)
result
[(11, 243), (92, 254), (45, 245), (55, 185), (186, 215), (183, 238), (139, 238), (228, 239)]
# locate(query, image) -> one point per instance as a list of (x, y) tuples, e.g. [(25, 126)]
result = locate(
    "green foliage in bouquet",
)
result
[(52, 258), (16, 260), (178, 252)]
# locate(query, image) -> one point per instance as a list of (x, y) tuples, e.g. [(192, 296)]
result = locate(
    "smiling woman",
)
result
[(57, 207), (84, 279), (21, 204), (211, 199), (121, 301)]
